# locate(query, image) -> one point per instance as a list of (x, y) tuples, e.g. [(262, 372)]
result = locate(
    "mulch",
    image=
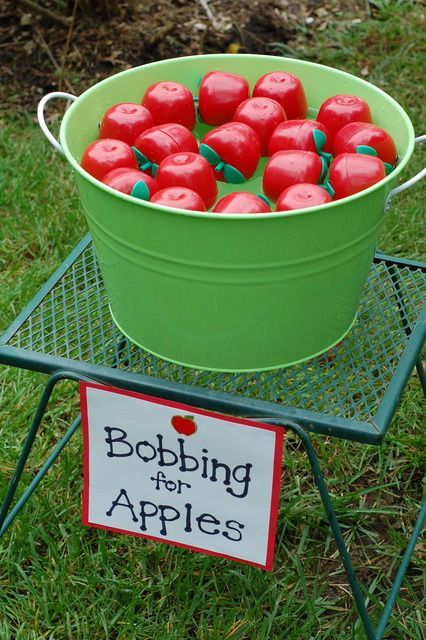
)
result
[(39, 54)]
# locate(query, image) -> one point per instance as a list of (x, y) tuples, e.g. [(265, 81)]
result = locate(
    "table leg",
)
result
[(341, 545), (7, 515)]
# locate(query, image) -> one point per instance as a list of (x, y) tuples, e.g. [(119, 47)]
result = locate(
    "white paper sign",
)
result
[(181, 475)]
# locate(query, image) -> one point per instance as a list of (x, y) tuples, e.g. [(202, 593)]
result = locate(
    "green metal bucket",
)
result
[(232, 292)]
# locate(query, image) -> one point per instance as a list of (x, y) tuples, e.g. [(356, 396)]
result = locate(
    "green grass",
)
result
[(61, 581)]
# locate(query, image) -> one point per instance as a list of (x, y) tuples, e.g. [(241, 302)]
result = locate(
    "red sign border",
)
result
[(276, 474)]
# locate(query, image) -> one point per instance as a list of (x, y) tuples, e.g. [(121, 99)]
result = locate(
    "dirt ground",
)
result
[(70, 51)]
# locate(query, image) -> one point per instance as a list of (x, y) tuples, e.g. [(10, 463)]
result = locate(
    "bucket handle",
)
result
[(412, 181), (40, 115)]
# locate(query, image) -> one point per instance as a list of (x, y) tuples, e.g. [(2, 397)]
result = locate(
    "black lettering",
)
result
[(184, 457), (127, 504), (215, 466), (145, 444), (160, 477), (163, 508), (161, 451), (144, 514), (228, 524), (182, 484), (122, 439), (208, 519), (205, 463), (245, 480), (188, 508)]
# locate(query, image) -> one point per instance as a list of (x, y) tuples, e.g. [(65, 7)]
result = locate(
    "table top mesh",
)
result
[(73, 321)]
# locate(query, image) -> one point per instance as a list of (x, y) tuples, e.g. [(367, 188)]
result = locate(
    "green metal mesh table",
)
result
[(350, 392)]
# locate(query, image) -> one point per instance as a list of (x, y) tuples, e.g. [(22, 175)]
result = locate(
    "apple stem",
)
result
[(219, 166)]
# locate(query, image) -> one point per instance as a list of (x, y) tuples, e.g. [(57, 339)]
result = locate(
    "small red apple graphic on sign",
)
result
[(184, 425)]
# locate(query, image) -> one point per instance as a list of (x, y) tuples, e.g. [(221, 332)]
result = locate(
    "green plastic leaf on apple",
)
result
[(140, 158), (324, 168), (327, 186), (388, 168), (265, 199), (320, 139), (327, 156), (232, 175), (209, 154), (366, 150), (140, 190)]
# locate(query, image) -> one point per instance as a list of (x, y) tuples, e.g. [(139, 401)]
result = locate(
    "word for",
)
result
[(170, 485)]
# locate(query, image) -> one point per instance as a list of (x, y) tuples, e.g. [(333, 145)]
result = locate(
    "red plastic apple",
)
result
[(362, 137), (286, 89), (234, 151), (301, 196), (263, 115), (170, 102), (101, 156), (337, 111), (305, 135), (353, 172), (131, 181), (188, 170), (286, 168), (179, 197), (125, 121), (184, 425), (241, 202), (155, 144), (219, 95)]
